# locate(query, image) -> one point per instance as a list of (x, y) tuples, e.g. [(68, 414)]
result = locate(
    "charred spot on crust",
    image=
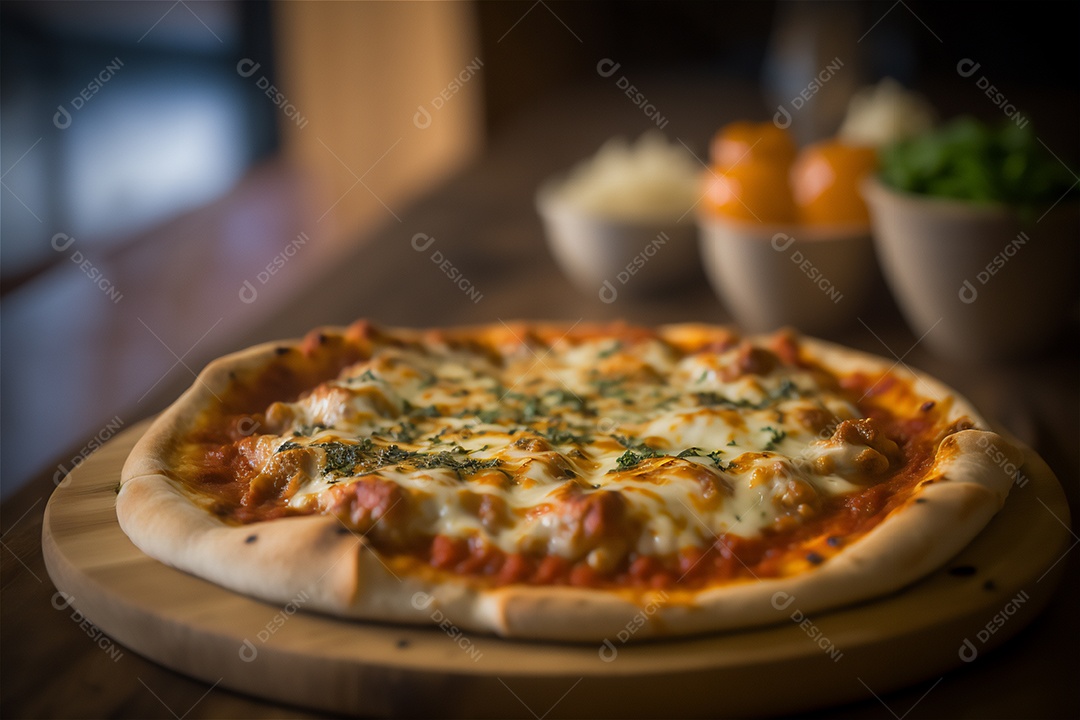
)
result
[(402, 644), (814, 558), (927, 406), (281, 350), (323, 339), (343, 531), (920, 500), (250, 539), (834, 541), (962, 570)]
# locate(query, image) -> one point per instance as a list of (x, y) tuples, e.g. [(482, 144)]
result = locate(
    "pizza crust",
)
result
[(150, 454), (330, 569)]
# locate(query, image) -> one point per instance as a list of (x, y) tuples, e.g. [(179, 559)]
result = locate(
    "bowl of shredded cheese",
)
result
[(622, 221)]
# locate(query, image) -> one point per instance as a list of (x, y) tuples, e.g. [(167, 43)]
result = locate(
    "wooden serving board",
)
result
[(205, 631)]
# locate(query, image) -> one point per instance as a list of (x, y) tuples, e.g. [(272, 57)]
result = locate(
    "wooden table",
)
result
[(484, 224)]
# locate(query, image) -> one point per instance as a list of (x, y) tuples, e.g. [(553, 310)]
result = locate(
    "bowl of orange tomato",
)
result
[(784, 232)]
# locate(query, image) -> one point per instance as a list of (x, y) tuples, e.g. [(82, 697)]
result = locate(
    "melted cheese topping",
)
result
[(542, 451)]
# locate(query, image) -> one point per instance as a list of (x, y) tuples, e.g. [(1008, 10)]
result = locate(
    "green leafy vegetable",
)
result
[(969, 160)]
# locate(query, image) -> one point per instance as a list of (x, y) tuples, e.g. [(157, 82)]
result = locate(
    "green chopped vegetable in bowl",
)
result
[(969, 160)]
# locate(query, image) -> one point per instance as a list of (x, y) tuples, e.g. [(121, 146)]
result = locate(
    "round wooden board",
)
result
[(205, 631)]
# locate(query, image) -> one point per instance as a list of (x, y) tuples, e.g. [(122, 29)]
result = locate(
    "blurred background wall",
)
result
[(151, 153)]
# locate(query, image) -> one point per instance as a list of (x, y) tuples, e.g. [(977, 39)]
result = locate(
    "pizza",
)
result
[(549, 481)]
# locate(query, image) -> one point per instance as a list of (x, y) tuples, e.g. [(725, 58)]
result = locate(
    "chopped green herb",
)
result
[(365, 456), (531, 409), (308, 430), (785, 390), (406, 432), (342, 458), (712, 399), (635, 454), (628, 460), (368, 376), (487, 416), (437, 438), (611, 350), (429, 411), (715, 457), (564, 437), (775, 436), (667, 402), (610, 387), (447, 460), (561, 396)]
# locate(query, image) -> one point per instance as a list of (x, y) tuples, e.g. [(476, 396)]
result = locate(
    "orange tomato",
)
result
[(740, 142), (755, 191), (825, 180)]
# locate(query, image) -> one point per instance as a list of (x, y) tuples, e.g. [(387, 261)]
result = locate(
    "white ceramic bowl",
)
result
[(608, 257), (815, 279), (988, 284)]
